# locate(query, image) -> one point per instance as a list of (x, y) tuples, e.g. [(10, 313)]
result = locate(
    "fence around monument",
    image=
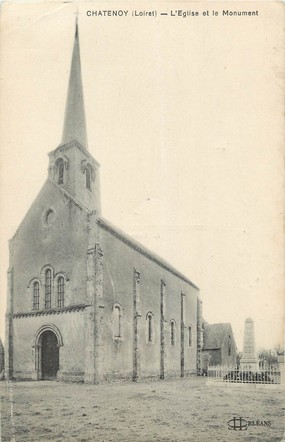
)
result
[(221, 373)]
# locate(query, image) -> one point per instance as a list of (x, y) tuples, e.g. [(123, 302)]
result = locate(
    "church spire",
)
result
[(74, 128)]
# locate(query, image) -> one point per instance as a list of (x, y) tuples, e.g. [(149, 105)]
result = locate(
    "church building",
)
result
[(85, 301)]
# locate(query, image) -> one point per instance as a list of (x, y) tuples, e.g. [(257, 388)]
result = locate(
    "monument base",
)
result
[(249, 364)]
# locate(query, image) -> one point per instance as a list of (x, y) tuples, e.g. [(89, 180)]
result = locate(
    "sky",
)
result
[(185, 117)]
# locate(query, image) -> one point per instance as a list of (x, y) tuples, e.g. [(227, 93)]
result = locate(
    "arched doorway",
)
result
[(47, 345), (50, 355)]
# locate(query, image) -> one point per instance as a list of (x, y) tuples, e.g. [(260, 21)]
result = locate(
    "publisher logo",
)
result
[(237, 423), (241, 424)]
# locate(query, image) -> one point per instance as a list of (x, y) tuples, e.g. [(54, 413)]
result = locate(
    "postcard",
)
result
[(142, 213)]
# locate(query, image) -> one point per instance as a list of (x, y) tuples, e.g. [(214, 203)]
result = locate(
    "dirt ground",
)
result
[(175, 410)]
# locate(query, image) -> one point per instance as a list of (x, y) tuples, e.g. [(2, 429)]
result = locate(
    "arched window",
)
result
[(89, 172), (149, 325), (60, 172), (88, 178), (229, 346), (36, 295), (117, 321), (48, 288), (190, 336), (60, 292), (172, 333)]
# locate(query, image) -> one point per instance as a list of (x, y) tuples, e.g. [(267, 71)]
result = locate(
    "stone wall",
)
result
[(61, 243), (160, 297), (71, 351)]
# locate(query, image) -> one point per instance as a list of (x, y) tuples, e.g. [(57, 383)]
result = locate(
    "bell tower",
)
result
[(71, 166)]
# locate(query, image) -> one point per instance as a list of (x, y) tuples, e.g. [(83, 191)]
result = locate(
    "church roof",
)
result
[(142, 249), (74, 128), (214, 335)]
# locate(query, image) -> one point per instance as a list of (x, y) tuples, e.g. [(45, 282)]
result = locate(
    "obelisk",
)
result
[(249, 359)]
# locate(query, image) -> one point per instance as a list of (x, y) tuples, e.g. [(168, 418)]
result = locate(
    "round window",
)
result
[(49, 217)]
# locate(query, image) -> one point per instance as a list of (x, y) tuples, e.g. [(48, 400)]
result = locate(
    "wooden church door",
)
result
[(50, 355)]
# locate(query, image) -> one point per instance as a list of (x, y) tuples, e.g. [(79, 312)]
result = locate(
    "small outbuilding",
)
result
[(219, 346)]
